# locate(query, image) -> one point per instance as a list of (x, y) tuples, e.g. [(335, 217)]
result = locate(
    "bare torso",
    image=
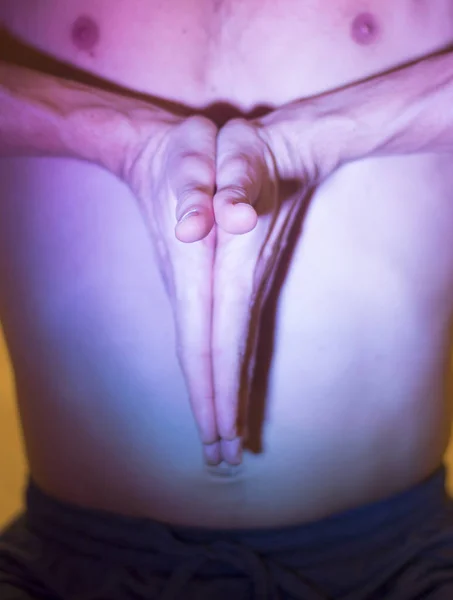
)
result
[(350, 403)]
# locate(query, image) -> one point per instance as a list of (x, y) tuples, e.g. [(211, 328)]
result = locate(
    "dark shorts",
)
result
[(397, 549)]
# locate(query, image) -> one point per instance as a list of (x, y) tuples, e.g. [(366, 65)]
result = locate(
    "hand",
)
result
[(271, 165), (172, 173)]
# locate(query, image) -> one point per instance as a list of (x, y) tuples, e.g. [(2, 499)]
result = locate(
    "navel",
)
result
[(224, 471), (85, 33), (365, 29)]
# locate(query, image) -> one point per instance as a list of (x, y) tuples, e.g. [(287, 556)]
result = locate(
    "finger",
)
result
[(193, 316), (231, 450), (212, 453), (239, 164), (192, 168), (194, 213), (191, 177), (233, 293), (244, 272)]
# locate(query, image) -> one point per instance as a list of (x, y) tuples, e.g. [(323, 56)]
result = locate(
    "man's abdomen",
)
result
[(350, 397), (349, 401)]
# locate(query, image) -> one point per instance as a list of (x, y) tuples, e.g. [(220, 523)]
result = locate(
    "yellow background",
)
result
[(12, 461)]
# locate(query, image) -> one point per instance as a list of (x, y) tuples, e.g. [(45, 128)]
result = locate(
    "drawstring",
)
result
[(267, 577), (415, 546), (270, 579)]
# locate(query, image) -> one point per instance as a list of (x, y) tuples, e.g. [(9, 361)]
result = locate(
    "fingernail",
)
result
[(232, 451), (191, 213)]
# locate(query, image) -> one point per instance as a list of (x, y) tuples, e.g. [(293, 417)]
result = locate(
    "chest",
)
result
[(237, 56), (244, 54)]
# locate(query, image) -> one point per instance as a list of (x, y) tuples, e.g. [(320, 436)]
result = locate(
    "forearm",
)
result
[(41, 115), (406, 111)]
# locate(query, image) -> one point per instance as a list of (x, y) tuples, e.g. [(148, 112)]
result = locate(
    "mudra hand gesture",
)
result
[(213, 202)]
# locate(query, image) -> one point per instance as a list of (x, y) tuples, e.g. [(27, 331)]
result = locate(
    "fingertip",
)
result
[(237, 218), (232, 450), (212, 454), (194, 226)]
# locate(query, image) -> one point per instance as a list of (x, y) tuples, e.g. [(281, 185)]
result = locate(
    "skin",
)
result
[(358, 323), (365, 29), (85, 33), (186, 191), (228, 206)]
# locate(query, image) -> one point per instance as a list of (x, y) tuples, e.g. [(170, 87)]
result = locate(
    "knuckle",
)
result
[(237, 191), (199, 122), (195, 167), (196, 131), (193, 161), (237, 166), (239, 124), (239, 131), (228, 431), (190, 353), (239, 160), (208, 437), (193, 173), (192, 192)]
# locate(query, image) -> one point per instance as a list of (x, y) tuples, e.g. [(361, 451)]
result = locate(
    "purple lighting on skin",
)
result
[(364, 29), (85, 33)]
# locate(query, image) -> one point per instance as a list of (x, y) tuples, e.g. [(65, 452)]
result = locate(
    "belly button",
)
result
[(365, 29), (224, 471)]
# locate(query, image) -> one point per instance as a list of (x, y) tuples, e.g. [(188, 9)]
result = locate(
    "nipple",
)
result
[(85, 33), (365, 29)]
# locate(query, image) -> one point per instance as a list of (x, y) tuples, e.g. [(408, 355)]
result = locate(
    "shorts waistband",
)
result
[(125, 538)]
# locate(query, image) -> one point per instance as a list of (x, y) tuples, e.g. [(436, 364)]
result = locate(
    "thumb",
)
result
[(192, 175), (238, 177)]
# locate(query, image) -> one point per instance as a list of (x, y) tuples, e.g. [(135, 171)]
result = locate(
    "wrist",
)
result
[(310, 137), (334, 132), (98, 135), (124, 132), (41, 115)]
